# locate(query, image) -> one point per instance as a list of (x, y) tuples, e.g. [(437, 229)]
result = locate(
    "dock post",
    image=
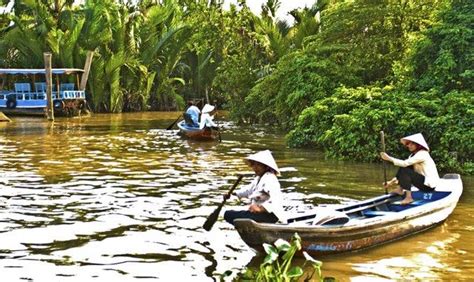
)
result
[(49, 86), (87, 68)]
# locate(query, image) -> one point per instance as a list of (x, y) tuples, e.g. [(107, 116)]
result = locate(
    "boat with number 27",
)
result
[(359, 225)]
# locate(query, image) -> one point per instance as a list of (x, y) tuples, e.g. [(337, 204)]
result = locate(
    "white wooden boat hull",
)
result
[(365, 227)]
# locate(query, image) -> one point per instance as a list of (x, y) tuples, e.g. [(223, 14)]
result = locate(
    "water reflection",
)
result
[(117, 197)]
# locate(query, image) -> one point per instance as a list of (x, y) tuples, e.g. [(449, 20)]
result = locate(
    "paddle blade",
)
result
[(211, 219)]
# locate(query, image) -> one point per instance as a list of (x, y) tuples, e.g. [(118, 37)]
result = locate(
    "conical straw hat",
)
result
[(207, 108), (266, 158), (416, 138)]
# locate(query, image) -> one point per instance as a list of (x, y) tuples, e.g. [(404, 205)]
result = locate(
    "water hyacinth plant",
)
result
[(277, 265)]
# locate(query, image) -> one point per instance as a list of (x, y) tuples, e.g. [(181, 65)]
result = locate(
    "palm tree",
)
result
[(162, 38)]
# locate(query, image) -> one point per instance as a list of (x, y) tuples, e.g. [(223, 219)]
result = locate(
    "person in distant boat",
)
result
[(263, 192), (207, 117), (418, 170), (191, 116)]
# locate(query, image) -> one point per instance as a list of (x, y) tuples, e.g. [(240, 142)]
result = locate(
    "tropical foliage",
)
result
[(430, 92), (334, 77), (278, 264)]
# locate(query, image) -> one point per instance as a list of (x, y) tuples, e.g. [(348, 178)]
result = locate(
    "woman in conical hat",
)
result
[(418, 170), (263, 192), (207, 117)]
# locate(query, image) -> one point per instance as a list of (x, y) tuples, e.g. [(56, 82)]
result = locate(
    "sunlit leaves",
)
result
[(277, 265), (282, 245), (444, 58)]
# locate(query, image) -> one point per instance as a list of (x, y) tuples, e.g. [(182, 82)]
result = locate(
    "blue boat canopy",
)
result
[(39, 71)]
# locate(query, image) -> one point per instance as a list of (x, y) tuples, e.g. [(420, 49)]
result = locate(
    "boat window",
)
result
[(40, 86), (66, 86), (22, 87)]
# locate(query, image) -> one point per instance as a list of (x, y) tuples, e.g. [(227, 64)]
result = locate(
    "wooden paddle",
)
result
[(212, 218), (218, 128), (382, 138), (219, 132), (174, 122)]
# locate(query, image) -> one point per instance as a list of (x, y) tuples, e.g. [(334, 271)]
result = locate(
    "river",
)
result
[(117, 197)]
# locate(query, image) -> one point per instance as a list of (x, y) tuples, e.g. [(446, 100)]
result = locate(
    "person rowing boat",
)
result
[(266, 199)]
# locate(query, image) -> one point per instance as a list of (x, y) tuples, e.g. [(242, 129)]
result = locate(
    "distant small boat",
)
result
[(25, 98), (359, 225), (192, 132)]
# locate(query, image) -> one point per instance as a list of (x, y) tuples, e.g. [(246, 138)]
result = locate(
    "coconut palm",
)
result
[(104, 31), (162, 38)]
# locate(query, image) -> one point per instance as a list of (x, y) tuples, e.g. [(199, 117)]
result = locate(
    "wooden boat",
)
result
[(359, 225), (192, 132), (27, 98)]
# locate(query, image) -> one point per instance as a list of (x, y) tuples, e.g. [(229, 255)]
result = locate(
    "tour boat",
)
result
[(27, 92)]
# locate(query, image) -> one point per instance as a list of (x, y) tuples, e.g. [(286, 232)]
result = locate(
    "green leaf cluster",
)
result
[(444, 57), (346, 125), (277, 264)]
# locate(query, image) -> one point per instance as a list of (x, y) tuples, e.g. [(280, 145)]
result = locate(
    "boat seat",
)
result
[(371, 213), (40, 88), (417, 203), (395, 206), (414, 203), (327, 216), (383, 204)]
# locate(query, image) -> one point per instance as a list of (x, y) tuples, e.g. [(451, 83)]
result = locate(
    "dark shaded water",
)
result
[(118, 198)]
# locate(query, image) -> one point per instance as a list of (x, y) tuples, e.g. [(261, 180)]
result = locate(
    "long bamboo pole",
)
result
[(382, 138)]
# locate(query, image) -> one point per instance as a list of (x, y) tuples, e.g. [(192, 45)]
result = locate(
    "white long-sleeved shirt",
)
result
[(265, 191), (207, 120), (423, 164)]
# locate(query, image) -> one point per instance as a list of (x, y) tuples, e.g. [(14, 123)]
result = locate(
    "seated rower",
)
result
[(207, 117), (418, 170), (191, 116), (266, 199)]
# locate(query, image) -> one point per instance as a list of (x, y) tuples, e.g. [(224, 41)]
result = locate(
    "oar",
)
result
[(219, 132), (174, 122), (382, 137), (212, 218)]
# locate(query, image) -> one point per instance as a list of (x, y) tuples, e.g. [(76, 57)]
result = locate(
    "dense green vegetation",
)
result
[(343, 71), (430, 90), (278, 265)]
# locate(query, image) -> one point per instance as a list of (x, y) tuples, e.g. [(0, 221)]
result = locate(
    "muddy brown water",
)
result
[(116, 197)]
